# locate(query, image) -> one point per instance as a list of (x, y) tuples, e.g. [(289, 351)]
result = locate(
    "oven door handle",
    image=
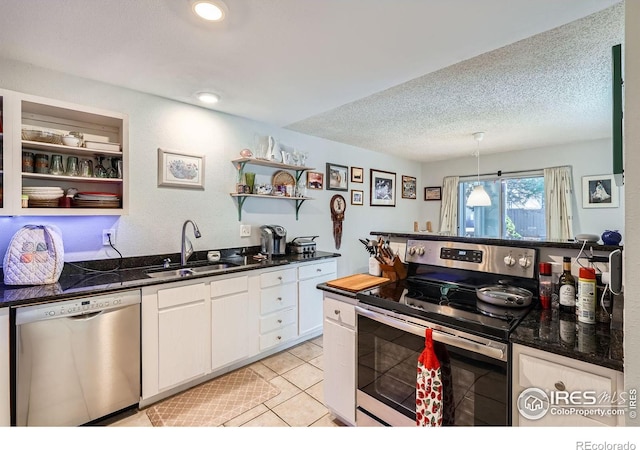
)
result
[(437, 335)]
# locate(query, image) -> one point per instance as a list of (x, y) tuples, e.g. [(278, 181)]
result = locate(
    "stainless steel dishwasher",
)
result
[(77, 360)]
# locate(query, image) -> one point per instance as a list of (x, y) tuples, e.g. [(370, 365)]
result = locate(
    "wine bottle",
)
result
[(567, 284)]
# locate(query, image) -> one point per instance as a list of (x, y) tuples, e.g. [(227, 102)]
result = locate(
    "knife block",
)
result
[(394, 272)]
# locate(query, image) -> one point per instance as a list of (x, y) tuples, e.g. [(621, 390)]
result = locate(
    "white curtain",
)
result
[(449, 206), (559, 202)]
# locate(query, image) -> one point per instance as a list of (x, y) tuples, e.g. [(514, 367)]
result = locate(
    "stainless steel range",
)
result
[(471, 335)]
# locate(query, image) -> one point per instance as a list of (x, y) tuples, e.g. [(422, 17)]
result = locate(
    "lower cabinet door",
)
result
[(183, 336), (230, 330), (339, 361), (310, 304)]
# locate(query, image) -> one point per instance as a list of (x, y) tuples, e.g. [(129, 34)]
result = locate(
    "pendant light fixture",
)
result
[(478, 196)]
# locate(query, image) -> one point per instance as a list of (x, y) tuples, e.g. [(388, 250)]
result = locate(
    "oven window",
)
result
[(475, 386)]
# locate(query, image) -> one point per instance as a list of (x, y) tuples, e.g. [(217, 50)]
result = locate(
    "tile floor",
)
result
[(297, 372)]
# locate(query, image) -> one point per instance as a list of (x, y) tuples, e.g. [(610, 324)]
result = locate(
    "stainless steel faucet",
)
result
[(187, 248)]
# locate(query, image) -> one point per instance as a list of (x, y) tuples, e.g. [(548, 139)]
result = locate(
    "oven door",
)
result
[(474, 372)]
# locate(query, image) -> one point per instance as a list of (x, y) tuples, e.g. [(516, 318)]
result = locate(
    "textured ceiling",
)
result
[(397, 76)]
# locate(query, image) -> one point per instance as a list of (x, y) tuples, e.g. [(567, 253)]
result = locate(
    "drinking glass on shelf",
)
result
[(56, 167), (111, 168), (72, 166), (86, 168), (100, 171)]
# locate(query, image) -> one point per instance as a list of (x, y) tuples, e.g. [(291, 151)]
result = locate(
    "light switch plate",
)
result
[(245, 230)]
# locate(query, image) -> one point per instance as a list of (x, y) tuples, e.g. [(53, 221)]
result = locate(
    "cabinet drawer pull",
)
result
[(279, 337), (560, 386), (318, 270), (280, 278), (337, 312), (279, 299), (279, 320)]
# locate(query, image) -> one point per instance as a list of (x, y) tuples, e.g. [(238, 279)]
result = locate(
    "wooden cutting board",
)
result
[(357, 282)]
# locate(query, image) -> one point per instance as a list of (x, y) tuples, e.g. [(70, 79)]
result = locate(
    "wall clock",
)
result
[(338, 206)]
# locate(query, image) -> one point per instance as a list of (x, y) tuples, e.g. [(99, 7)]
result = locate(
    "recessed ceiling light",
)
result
[(208, 97), (213, 11)]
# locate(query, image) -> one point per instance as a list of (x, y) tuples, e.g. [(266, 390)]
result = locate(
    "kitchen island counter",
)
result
[(102, 276)]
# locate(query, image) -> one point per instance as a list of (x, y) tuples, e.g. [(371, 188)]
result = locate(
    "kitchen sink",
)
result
[(189, 271)]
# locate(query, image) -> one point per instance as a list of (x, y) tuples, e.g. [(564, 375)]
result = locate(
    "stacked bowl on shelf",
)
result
[(43, 197)]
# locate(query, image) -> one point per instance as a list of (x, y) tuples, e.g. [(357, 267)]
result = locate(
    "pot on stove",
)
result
[(505, 296)]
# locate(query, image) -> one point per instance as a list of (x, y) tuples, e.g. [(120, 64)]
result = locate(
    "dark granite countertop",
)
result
[(102, 276), (560, 333), (504, 242)]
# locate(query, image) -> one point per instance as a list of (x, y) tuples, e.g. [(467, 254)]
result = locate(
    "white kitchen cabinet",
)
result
[(534, 368), (339, 358), (5, 400), (310, 316), (176, 336), (278, 305), (24, 116), (233, 330)]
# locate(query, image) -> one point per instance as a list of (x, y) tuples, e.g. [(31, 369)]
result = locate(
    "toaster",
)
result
[(303, 245)]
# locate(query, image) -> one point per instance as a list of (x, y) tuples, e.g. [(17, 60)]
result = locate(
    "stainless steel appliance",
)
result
[(471, 336), (273, 239), (303, 245), (78, 360)]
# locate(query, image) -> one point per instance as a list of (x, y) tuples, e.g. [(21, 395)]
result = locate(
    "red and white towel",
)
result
[(429, 388)]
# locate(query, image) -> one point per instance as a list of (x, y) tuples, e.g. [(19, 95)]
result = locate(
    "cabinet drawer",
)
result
[(278, 297), (316, 270), (277, 320), (229, 286), (339, 312), (278, 336), (277, 277), (551, 376), (181, 295)]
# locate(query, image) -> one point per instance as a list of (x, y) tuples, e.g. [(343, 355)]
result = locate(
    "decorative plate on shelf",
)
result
[(283, 178)]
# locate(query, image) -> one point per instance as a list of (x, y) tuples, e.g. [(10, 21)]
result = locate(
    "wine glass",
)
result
[(111, 171)]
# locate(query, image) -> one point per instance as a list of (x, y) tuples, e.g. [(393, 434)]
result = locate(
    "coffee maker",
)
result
[(273, 240)]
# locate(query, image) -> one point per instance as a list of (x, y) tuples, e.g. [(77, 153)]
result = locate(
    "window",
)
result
[(517, 209)]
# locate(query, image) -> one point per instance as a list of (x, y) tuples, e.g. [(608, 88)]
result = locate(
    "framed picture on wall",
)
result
[(432, 193), (337, 177), (181, 170), (383, 188), (315, 180), (408, 187), (357, 197), (599, 191), (357, 175)]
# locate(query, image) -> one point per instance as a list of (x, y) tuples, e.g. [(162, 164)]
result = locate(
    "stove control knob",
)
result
[(412, 250), (524, 262), (420, 251), (509, 260)]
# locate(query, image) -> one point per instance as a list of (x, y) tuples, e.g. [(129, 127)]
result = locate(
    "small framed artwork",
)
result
[(315, 180), (182, 170), (432, 193), (599, 191), (383, 188), (357, 175), (337, 177), (408, 187), (357, 197)]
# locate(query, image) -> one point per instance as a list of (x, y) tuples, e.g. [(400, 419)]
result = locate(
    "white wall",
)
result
[(154, 223), (585, 158)]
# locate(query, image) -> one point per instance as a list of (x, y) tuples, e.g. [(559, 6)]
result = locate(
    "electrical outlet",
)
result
[(109, 233), (245, 230)]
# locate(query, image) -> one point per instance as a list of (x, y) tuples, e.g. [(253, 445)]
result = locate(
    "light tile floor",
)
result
[(297, 372)]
